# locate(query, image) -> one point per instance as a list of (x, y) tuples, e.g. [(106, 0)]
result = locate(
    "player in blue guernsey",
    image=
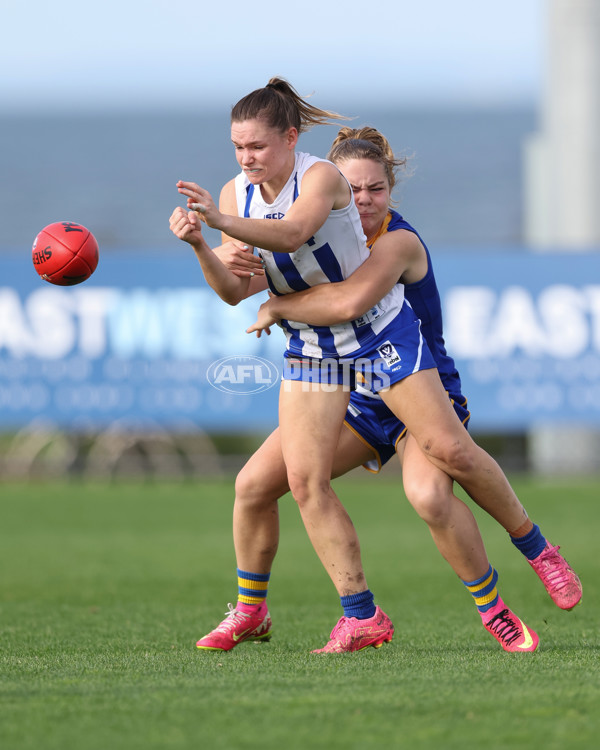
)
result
[(374, 433)]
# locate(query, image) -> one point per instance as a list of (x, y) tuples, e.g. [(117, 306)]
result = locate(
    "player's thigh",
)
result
[(350, 453), (421, 402), (400, 448), (310, 422)]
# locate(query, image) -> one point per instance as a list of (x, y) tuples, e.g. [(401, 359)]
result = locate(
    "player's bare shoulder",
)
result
[(324, 176)]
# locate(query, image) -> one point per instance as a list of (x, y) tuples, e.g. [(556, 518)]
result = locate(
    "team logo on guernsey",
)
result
[(242, 374), (388, 353)]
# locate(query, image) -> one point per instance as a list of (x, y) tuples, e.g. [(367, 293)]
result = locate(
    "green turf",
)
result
[(106, 587)]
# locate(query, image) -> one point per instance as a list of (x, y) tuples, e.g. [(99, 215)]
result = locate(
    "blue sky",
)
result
[(126, 53)]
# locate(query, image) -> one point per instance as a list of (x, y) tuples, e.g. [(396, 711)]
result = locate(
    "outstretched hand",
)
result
[(200, 201)]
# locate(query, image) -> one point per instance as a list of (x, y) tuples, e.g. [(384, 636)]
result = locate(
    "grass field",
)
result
[(106, 587)]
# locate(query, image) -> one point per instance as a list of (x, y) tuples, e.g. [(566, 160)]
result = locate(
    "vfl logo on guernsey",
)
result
[(389, 354), (242, 374)]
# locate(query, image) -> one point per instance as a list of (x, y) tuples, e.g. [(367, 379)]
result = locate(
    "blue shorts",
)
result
[(378, 428), (392, 355)]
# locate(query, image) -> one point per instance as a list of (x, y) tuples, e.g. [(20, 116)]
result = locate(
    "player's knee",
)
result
[(430, 500), (306, 488), (255, 490), (462, 458), (455, 456)]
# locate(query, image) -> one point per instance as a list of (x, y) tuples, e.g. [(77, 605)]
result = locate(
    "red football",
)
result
[(65, 253)]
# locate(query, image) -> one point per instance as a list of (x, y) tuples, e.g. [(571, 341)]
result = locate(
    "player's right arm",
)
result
[(186, 225), (393, 255)]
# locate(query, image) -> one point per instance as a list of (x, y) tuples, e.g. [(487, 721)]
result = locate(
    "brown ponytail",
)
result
[(280, 105)]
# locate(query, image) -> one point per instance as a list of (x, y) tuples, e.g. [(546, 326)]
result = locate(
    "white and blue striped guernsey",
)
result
[(332, 254)]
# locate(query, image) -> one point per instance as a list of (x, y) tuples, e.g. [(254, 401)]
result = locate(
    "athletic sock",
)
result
[(360, 605), (252, 590), (484, 592), (532, 544), (493, 611)]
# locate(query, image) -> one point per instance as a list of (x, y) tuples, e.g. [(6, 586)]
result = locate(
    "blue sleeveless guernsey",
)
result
[(424, 298)]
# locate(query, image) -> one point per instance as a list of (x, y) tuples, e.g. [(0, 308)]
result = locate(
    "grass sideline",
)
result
[(106, 587)]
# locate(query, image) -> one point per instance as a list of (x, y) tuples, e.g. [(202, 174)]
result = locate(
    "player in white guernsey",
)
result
[(264, 128)]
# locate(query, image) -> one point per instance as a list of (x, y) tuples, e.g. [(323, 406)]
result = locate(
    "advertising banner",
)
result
[(146, 342), (524, 330)]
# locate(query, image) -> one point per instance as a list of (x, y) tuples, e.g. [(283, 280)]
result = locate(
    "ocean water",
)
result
[(116, 172)]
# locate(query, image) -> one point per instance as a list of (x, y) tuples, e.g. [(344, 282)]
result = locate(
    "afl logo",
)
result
[(242, 374)]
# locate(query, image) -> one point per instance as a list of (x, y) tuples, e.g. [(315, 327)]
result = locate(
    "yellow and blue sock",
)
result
[(361, 605), (252, 589), (484, 591), (529, 540)]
